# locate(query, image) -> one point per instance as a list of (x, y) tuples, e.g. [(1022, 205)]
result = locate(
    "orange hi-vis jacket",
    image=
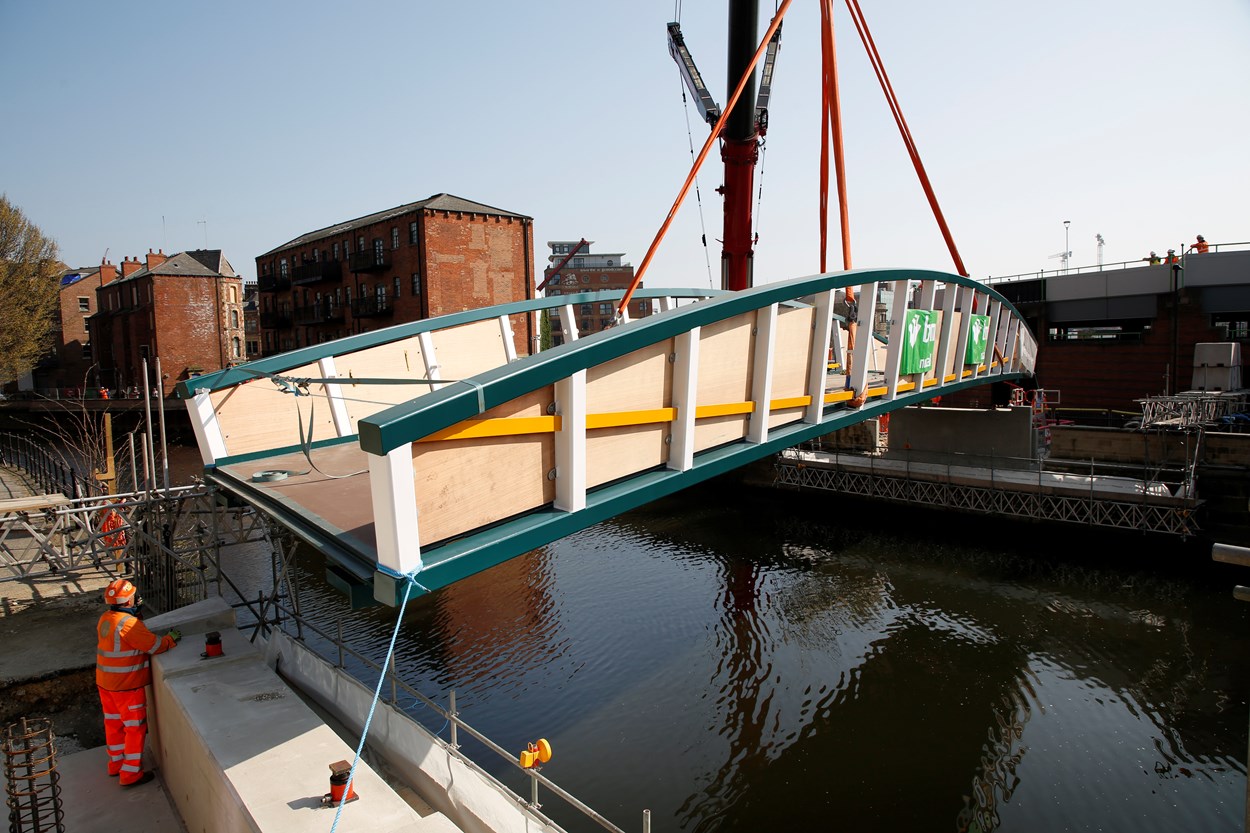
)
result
[(123, 651)]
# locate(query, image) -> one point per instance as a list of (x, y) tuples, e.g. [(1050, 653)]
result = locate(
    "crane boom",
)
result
[(708, 108)]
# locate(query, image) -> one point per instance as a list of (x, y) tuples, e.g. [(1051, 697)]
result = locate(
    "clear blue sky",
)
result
[(241, 125)]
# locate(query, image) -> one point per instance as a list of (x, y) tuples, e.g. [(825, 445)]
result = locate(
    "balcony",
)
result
[(275, 320), (369, 261), (269, 283), (373, 307), (326, 270), (327, 312)]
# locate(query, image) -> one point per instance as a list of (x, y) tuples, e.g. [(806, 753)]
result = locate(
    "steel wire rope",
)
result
[(698, 197), (874, 57)]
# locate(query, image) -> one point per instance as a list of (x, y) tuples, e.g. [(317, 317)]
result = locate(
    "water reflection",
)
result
[(754, 664)]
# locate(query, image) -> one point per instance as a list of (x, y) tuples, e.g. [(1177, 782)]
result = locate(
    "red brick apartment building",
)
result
[(69, 367), (437, 256), (585, 272), (186, 309)]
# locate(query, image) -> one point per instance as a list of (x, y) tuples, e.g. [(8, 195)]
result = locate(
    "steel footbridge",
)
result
[(432, 450)]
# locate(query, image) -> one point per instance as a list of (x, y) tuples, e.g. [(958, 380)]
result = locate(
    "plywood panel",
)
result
[(258, 415), (469, 349), (785, 416), (464, 484), (953, 361), (612, 453), (725, 361), (714, 431), (638, 381), (792, 349), (397, 360)]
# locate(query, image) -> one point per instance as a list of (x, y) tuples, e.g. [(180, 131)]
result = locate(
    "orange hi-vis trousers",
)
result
[(125, 730)]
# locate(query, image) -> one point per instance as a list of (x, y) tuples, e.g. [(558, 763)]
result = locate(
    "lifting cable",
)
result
[(861, 25), (410, 580), (831, 123), (698, 198), (712, 137)]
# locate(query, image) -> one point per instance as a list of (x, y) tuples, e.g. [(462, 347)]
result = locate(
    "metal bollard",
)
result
[(31, 780)]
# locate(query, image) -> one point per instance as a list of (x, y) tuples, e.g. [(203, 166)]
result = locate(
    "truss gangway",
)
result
[(433, 449)]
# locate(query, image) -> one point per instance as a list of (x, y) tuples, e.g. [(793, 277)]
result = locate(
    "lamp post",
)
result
[(1067, 252)]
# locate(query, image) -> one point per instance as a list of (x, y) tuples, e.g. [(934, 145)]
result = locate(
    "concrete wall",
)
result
[(453, 787), (240, 751), (1110, 445), (1002, 432)]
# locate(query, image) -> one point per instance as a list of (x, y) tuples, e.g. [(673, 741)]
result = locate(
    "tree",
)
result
[(28, 285)]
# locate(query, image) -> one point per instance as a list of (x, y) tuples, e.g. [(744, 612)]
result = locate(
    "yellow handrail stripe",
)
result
[(905, 386), (502, 427), (790, 402), (726, 409), (929, 383), (839, 396), (617, 419)]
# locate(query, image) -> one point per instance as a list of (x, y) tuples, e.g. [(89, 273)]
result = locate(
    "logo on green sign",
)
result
[(919, 341), (978, 335)]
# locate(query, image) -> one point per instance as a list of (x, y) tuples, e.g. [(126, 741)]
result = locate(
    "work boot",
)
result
[(142, 779)]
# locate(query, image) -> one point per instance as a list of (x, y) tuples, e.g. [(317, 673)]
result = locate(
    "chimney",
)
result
[(108, 272), (157, 259), (129, 266)]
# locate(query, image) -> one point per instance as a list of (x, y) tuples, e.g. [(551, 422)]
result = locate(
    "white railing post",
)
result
[(570, 447), (867, 311), (898, 338), (762, 373), (393, 491), (334, 393), (685, 392), (206, 427), (818, 363)]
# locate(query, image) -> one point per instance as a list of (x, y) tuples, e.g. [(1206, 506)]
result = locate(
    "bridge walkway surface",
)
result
[(420, 454)]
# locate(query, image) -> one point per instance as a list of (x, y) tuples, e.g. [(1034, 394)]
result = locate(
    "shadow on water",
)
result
[(759, 660)]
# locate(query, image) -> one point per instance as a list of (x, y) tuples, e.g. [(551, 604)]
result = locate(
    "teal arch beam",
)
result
[(451, 561)]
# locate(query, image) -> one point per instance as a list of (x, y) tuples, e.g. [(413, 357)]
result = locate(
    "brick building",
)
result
[(586, 272), (437, 256), (186, 309), (69, 367)]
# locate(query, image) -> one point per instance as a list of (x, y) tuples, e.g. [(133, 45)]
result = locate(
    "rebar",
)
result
[(32, 782)]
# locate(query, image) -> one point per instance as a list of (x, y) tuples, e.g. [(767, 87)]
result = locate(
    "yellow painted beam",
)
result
[(790, 402), (903, 387), (727, 409), (507, 427), (616, 419)]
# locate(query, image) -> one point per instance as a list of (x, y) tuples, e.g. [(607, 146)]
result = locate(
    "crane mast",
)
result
[(740, 138)]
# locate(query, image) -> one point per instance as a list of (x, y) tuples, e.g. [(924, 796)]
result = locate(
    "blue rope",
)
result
[(377, 693)]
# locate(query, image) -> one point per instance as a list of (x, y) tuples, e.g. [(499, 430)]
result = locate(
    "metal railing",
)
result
[(1113, 267), (50, 472), (454, 723)]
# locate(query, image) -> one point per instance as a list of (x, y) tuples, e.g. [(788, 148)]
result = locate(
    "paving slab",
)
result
[(95, 803)]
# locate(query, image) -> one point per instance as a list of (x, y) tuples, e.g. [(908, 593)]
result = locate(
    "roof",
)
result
[(438, 202), (187, 264), (69, 277)]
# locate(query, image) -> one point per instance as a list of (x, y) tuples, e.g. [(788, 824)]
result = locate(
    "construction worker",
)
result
[(1154, 259), (122, 671), (1172, 257), (1201, 247)]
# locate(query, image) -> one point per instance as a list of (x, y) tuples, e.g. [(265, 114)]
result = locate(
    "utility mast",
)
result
[(1101, 243), (740, 138)]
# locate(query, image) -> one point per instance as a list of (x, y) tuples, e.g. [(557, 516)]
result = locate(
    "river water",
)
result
[(759, 660)]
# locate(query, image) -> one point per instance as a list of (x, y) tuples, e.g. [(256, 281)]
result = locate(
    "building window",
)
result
[(394, 238), (234, 319), (86, 351), (282, 269), (587, 309), (336, 251), (234, 294), (236, 348), (348, 293), (360, 244), (555, 291), (84, 303), (397, 286), (579, 261), (412, 232), (603, 279), (611, 262), (605, 309), (316, 255), (416, 284), (347, 248), (585, 278), (379, 252)]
